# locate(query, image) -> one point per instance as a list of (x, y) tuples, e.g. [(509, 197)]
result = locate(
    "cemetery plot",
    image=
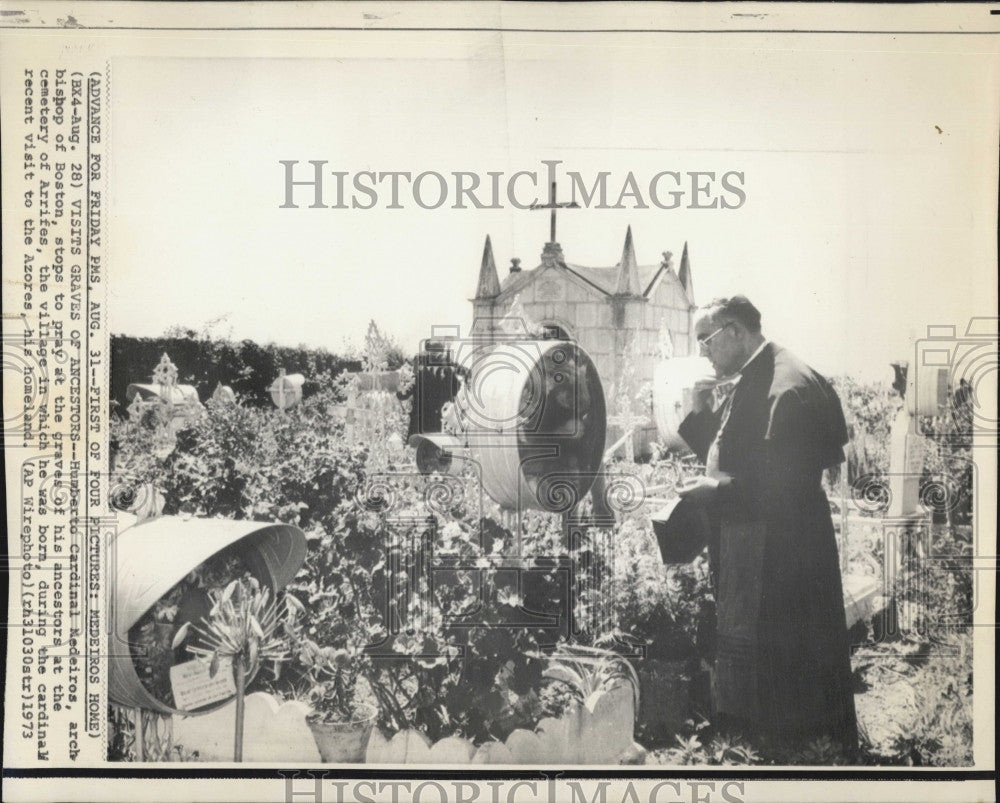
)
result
[(422, 594)]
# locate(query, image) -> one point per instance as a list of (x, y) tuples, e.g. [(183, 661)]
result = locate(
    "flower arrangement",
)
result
[(150, 639), (244, 628)]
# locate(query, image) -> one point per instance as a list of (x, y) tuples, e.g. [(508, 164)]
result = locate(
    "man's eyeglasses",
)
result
[(704, 341)]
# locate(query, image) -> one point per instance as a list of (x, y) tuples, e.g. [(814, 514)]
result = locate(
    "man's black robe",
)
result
[(782, 653)]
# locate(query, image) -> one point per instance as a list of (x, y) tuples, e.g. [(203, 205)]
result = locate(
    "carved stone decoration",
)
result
[(550, 291), (165, 373), (163, 405)]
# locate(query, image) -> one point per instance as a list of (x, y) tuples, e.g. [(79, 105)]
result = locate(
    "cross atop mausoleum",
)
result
[(554, 205)]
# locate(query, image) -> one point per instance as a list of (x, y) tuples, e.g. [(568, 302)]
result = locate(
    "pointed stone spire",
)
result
[(628, 270), (684, 275), (489, 282)]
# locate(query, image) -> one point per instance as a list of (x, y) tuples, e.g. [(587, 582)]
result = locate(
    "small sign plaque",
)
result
[(193, 688)]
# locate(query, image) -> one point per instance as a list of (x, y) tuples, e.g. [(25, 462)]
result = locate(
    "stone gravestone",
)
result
[(906, 459), (286, 390), (906, 526), (224, 394), (907, 447)]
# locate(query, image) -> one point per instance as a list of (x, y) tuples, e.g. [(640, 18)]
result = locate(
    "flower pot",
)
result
[(343, 742)]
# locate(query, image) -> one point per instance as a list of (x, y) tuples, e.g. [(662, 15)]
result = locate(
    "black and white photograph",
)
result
[(555, 401)]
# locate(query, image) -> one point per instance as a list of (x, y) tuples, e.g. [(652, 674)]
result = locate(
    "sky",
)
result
[(869, 168)]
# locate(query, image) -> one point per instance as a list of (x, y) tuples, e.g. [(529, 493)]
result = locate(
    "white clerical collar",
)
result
[(753, 356)]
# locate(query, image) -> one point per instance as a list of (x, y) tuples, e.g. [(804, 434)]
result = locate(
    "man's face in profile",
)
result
[(719, 341)]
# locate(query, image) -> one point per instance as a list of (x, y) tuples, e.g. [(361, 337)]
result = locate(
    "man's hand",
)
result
[(701, 397), (700, 490)]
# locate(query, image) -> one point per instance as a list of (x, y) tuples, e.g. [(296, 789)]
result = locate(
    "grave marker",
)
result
[(286, 390)]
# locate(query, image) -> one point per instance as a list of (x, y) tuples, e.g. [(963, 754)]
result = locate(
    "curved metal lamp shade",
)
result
[(150, 558)]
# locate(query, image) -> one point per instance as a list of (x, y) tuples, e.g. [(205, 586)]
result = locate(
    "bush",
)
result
[(371, 525), (462, 650), (930, 656), (869, 410)]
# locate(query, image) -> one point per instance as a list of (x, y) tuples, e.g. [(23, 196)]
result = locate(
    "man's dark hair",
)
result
[(736, 308)]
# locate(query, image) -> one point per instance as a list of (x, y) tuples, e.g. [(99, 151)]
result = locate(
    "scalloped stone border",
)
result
[(597, 732)]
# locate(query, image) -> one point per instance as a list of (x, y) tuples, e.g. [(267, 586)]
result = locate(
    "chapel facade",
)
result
[(607, 310)]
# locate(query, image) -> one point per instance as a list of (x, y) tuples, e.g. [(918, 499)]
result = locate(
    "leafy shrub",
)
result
[(946, 479), (948, 466), (452, 657), (462, 650), (869, 410), (697, 744)]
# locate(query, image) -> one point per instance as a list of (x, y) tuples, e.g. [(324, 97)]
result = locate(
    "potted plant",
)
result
[(343, 706), (587, 670)]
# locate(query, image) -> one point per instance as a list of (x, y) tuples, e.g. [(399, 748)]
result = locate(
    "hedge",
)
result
[(248, 368)]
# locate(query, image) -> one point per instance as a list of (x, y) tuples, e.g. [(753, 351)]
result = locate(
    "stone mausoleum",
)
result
[(607, 310)]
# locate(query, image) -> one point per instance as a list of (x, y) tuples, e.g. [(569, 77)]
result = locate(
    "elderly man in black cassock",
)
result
[(782, 663)]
